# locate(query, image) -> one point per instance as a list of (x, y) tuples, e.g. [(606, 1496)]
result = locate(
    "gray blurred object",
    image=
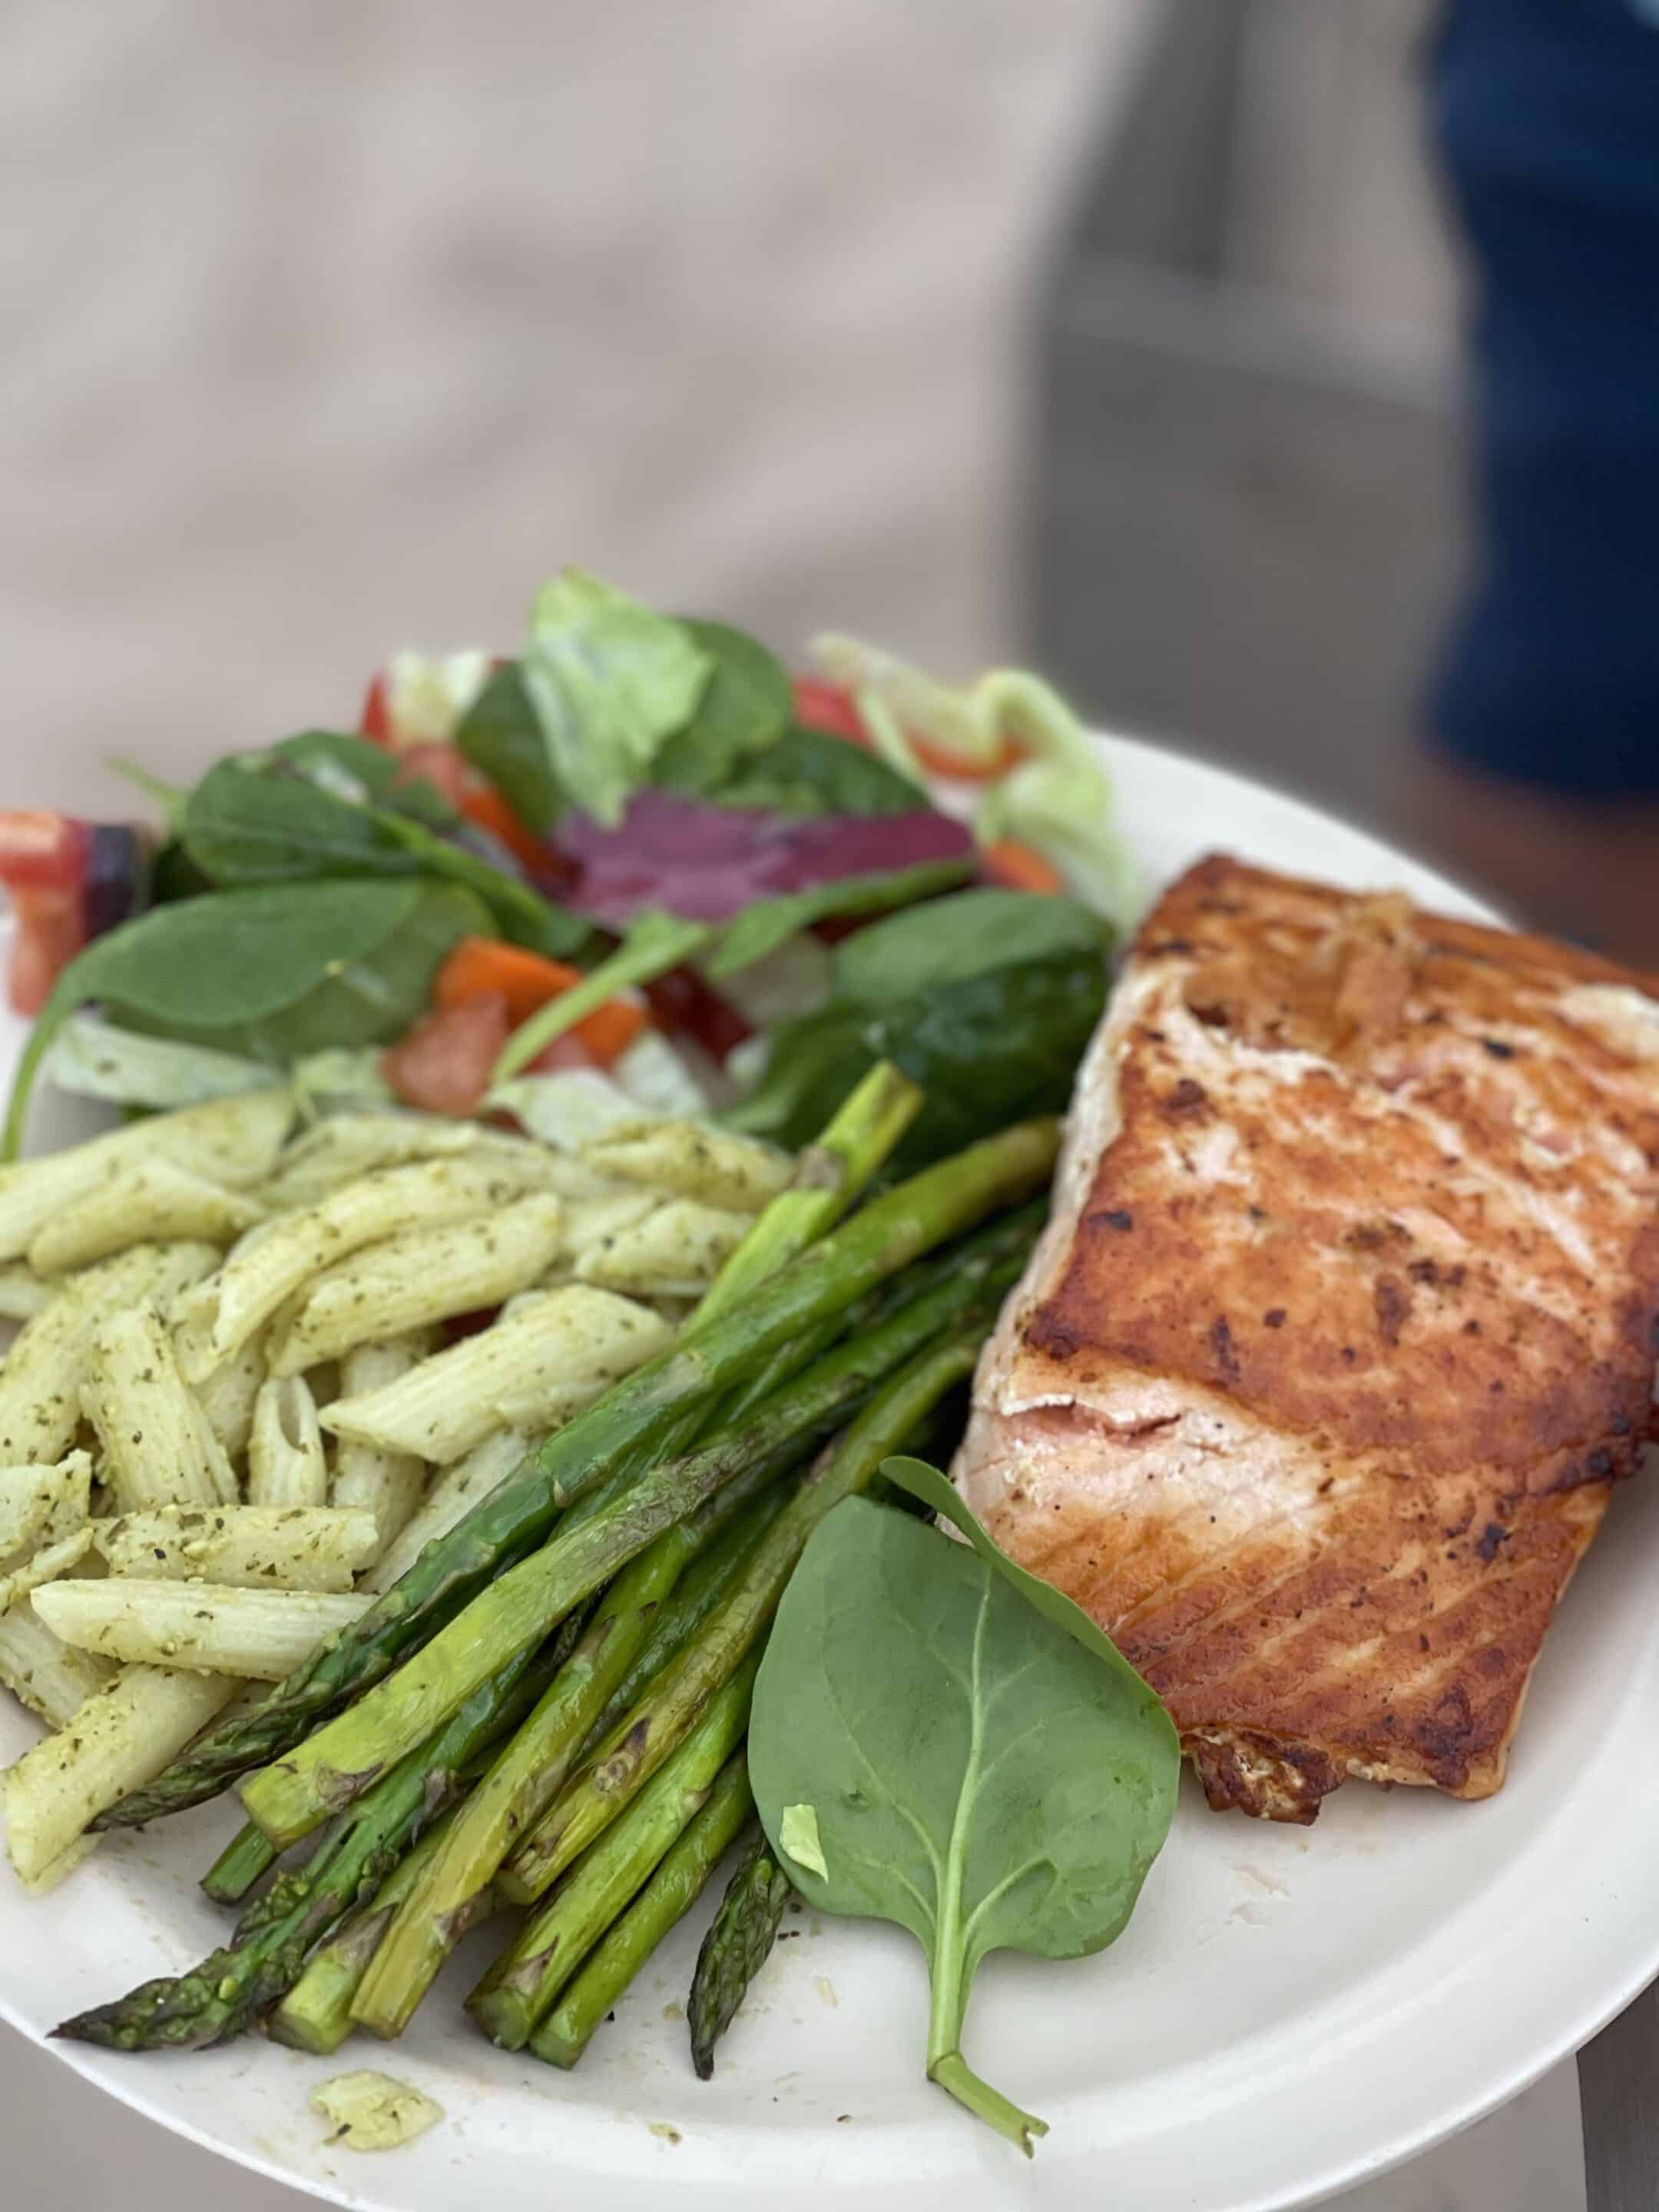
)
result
[(1248, 516)]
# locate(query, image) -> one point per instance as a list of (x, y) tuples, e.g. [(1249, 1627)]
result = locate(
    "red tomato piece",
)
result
[(375, 723), (443, 1064), (821, 706), (565, 1052), (51, 930), (43, 851)]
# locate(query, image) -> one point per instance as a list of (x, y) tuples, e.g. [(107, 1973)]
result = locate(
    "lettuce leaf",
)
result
[(608, 681)]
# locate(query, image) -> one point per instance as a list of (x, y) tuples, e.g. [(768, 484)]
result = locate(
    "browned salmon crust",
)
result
[(1344, 1324)]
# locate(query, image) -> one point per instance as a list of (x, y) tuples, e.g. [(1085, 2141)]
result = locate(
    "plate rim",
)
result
[(1394, 2147)]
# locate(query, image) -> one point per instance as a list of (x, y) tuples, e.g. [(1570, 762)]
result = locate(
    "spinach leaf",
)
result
[(988, 1050), (362, 775), (257, 818), (272, 972), (499, 735), (810, 772), (608, 680), (963, 1752), (951, 939), (760, 929), (745, 710), (243, 824)]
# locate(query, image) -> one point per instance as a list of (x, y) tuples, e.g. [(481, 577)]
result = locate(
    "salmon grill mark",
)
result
[(1114, 1217), (1186, 1098), (1392, 1302), (1492, 1536), (1221, 1344), (1497, 1049), (1273, 1318)]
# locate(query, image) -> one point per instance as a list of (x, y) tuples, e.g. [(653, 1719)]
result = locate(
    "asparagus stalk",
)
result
[(830, 1176), (521, 1987), (648, 1734), (737, 1946), (226, 1992), (454, 1885), (239, 1865), (704, 1583), (624, 1429), (665, 1900), (335, 1766), (316, 2014)]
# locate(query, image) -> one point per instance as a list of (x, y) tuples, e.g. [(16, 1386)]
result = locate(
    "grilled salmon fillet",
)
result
[(1343, 1327)]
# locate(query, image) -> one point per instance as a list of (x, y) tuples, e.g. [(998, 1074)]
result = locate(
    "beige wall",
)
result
[(330, 328)]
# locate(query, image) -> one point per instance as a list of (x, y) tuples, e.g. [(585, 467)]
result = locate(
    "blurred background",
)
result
[(1116, 333), (1124, 336)]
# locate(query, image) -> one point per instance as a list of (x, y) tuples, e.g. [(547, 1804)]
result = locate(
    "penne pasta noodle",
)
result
[(688, 1160), (286, 1548), (52, 1679), (674, 1252), (140, 1201), (119, 1739), (591, 1221), (155, 1447), (41, 1382), (232, 1140), (414, 1280), (226, 1395), (282, 1255), (41, 1504), (558, 1350), (286, 1461), (386, 1485), (44, 1566), (455, 1491), (257, 1635), (340, 1148), (22, 1294)]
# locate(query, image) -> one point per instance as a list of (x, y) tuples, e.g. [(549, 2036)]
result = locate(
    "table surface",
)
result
[(61, 2141)]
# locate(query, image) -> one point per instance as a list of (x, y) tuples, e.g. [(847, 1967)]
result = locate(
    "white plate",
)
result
[(1290, 2011)]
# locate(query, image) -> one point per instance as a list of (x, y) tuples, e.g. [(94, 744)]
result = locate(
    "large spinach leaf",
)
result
[(743, 712), (987, 1049), (940, 1741), (761, 928), (952, 939), (608, 680), (271, 972), (810, 772), (499, 735), (363, 774), (300, 815)]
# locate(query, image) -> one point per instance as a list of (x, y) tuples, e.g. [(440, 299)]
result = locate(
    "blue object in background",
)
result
[(1545, 117)]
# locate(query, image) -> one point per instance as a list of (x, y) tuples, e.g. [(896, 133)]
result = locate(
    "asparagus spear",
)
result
[(454, 1885), (738, 1945), (223, 1995), (521, 1987), (239, 1865), (830, 1175), (695, 1595), (644, 1736), (667, 1899), (316, 2014), (625, 1430), (335, 1766)]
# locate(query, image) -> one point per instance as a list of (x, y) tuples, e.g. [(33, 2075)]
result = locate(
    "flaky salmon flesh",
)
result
[(1343, 1328)]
